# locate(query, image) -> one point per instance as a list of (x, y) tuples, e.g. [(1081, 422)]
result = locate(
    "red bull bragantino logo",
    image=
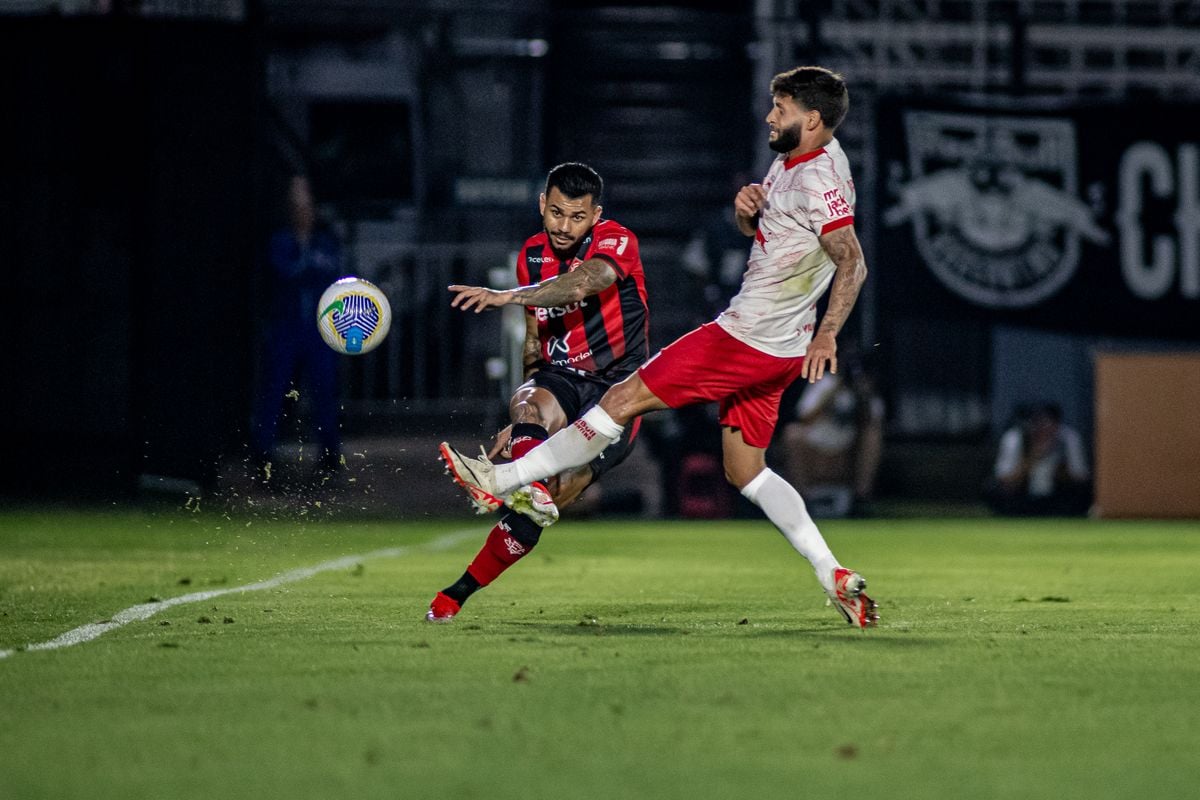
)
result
[(994, 204)]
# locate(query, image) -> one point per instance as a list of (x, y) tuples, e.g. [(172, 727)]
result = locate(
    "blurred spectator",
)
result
[(713, 263), (304, 258), (833, 447), (1040, 466), (714, 259)]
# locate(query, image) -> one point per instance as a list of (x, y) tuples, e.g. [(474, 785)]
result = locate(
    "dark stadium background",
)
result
[(147, 145)]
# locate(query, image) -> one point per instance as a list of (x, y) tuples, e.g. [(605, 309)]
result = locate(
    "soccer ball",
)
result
[(353, 316)]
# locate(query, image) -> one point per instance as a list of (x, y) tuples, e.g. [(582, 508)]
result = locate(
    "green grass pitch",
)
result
[(1015, 659)]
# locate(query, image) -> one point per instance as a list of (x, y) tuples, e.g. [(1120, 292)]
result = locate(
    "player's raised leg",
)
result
[(535, 412), (575, 445)]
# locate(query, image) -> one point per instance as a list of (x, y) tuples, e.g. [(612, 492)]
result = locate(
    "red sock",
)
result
[(499, 552), (525, 437)]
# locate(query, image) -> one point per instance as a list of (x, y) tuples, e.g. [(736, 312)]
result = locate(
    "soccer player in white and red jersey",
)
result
[(802, 221), (584, 291)]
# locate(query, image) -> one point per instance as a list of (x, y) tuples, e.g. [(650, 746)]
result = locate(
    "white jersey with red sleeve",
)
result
[(808, 196)]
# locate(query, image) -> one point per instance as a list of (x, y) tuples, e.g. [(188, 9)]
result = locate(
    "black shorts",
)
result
[(576, 393)]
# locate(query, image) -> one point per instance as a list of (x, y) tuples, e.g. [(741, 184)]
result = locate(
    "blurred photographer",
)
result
[(1041, 467), (833, 447)]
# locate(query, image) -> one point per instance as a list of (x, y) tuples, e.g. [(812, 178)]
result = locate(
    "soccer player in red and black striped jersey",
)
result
[(584, 291)]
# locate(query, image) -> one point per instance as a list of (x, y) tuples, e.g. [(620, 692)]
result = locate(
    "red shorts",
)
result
[(708, 364)]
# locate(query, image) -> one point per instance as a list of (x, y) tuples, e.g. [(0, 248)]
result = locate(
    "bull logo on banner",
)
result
[(994, 204)]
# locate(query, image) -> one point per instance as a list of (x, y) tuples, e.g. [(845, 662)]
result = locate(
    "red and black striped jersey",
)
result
[(606, 334)]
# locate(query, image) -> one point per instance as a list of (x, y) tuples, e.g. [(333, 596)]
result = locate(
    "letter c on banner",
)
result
[(1147, 280)]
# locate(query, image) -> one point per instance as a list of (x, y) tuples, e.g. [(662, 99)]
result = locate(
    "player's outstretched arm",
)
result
[(844, 249), (591, 277), (478, 297)]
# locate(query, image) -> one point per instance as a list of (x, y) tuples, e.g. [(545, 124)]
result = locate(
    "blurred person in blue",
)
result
[(303, 258), (1041, 467)]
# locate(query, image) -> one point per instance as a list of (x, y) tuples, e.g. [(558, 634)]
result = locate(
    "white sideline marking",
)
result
[(143, 611)]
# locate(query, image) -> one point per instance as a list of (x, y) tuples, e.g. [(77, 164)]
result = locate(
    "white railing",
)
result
[(961, 45)]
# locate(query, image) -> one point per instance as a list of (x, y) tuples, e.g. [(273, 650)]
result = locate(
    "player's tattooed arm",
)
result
[(845, 251), (591, 277)]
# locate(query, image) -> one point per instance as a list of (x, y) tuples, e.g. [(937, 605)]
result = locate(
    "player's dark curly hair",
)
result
[(817, 89), (575, 180)]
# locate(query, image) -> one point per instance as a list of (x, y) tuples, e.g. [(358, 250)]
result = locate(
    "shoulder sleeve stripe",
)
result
[(837, 223)]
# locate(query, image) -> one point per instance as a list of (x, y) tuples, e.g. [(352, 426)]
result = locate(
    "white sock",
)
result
[(573, 446), (784, 506)]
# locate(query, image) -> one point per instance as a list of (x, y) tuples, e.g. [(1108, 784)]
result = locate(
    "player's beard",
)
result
[(787, 140), (562, 252)]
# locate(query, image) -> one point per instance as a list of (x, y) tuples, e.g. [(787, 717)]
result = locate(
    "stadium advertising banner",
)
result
[(1083, 219)]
